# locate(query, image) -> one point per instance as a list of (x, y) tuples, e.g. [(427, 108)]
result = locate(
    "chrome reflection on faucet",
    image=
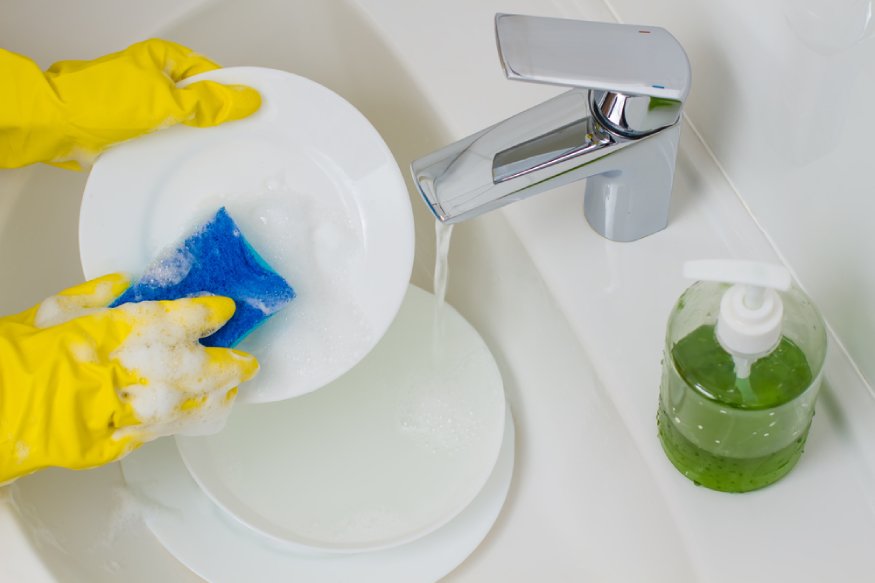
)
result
[(618, 127)]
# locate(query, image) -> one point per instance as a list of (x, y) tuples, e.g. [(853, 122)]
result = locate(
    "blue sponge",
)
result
[(216, 260)]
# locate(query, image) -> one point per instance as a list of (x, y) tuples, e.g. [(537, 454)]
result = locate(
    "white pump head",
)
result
[(751, 311)]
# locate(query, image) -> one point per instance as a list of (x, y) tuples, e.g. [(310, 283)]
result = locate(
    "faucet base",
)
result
[(629, 195)]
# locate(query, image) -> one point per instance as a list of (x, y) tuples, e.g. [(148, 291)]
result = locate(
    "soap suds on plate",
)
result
[(170, 268), (315, 241)]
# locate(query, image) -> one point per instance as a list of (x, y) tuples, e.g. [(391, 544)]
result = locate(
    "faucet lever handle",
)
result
[(616, 58)]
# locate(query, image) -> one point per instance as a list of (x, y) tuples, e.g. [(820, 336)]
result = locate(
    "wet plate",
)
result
[(384, 455), (312, 186)]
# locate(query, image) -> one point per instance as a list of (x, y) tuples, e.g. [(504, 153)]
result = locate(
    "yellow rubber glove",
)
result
[(82, 385), (73, 111)]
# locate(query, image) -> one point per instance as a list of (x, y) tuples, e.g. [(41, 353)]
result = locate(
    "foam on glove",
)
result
[(216, 259)]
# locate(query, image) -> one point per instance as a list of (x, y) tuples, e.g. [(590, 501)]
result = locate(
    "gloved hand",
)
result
[(73, 111), (82, 384)]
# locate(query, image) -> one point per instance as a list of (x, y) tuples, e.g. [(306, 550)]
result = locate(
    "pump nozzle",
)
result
[(751, 311)]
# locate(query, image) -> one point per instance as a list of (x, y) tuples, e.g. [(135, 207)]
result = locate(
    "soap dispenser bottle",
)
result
[(743, 362)]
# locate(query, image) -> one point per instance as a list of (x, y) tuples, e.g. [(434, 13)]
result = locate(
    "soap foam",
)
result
[(62, 308), (434, 410), (184, 392), (169, 268), (163, 349)]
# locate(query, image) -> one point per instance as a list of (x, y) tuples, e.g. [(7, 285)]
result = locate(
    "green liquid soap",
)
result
[(731, 434)]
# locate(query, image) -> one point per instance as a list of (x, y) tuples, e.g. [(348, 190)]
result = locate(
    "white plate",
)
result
[(312, 186), (218, 549), (389, 452)]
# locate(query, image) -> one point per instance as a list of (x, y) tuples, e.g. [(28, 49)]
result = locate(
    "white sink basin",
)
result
[(575, 322)]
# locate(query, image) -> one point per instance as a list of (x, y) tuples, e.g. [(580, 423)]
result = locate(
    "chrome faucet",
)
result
[(618, 127)]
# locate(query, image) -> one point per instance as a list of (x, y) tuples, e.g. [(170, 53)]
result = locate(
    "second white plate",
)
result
[(389, 452), (206, 541)]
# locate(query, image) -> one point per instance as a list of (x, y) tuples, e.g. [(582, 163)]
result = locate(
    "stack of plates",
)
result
[(397, 467), (394, 472)]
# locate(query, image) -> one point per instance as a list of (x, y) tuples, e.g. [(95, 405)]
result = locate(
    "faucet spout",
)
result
[(624, 144)]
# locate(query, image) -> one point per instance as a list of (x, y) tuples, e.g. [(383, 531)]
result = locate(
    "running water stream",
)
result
[(443, 234)]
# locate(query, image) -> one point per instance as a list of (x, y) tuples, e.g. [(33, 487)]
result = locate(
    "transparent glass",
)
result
[(733, 434)]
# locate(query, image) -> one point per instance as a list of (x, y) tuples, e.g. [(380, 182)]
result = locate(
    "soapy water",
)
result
[(433, 408), (435, 413), (316, 242)]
